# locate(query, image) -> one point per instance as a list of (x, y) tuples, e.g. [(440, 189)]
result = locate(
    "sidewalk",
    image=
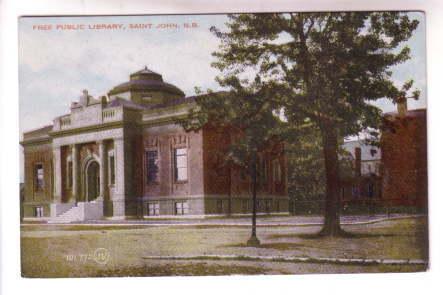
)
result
[(262, 221)]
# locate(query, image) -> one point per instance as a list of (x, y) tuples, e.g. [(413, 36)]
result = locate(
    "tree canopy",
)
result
[(321, 70)]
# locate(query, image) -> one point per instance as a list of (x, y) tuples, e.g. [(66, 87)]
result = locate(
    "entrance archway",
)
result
[(92, 181)]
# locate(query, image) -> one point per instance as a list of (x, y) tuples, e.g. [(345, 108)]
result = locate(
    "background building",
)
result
[(394, 175), (363, 182), (404, 157)]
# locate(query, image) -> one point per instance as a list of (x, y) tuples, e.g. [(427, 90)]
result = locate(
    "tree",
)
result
[(306, 177), (325, 69), (246, 115)]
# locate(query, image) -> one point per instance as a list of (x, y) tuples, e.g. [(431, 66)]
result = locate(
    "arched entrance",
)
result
[(92, 181)]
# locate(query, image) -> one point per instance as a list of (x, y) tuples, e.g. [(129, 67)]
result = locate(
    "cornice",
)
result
[(35, 141), (163, 121), (98, 127)]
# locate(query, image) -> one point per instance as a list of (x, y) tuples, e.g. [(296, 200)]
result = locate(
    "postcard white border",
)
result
[(12, 283)]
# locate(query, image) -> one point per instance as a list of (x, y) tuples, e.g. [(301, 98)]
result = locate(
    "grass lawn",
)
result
[(74, 251)]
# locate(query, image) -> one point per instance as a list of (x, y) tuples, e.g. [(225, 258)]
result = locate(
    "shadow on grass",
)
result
[(344, 234)]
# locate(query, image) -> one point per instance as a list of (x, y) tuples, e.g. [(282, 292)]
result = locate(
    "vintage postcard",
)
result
[(221, 144)]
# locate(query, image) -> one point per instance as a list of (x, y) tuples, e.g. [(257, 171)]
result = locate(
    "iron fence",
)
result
[(357, 207)]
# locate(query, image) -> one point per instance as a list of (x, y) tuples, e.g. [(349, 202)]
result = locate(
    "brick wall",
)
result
[(404, 158), (164, 139)]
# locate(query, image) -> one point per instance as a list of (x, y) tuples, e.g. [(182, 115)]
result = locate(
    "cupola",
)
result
[(146, 87)]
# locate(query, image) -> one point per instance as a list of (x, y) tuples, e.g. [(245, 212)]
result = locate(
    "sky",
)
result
[(61, 56)]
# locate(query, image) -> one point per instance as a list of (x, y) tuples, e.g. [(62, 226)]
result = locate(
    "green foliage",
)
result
[(322, 70), (246, 114), (325, 66), (306, 178)]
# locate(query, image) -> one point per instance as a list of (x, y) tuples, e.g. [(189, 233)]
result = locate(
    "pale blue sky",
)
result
[(55, 65)]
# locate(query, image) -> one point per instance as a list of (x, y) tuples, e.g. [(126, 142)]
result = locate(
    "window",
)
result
[(39, 177), (112, 169), (69, 174), (276, 170), (181, 208), (152, 166), (38, 211), (153, 209), (181, 164)]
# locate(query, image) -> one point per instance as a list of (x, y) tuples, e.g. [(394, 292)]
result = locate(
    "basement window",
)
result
[(181, 208), (153, 209), (38, 211)]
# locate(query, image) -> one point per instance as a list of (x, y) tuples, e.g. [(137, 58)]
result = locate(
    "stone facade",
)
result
[(124, 156)]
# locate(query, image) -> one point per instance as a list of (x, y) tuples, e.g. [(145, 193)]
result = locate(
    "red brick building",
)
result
[(125, 156), (394, 174), (404, 158)]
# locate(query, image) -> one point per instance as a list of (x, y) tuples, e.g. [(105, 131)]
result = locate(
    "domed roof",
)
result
[(145, 70), (145, 79)]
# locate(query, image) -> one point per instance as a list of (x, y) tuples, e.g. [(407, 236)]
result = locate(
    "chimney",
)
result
[(84, 99), (402, 106), (357, 161)]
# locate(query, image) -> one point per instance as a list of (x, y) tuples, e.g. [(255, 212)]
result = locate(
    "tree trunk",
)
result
[(331, 226)]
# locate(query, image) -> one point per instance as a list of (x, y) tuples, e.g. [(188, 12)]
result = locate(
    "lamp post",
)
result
[(253, 240)]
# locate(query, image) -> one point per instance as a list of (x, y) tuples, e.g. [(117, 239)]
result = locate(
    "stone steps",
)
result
[(81, 212), (73, 214)]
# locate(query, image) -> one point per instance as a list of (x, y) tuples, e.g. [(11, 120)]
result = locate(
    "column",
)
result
[(118, 199), (57, 174), (103, 174), (75, 170)]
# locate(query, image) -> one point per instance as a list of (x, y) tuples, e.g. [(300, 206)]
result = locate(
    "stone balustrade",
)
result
[(112, 114), (93, 115)]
